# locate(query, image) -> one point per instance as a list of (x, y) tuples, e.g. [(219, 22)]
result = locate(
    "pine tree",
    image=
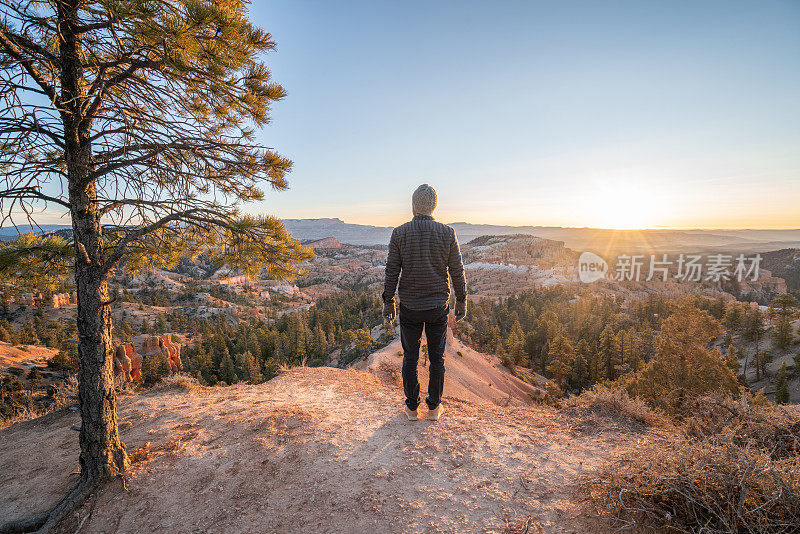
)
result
[(137, 110), (782, 310), (154, 367), (561, 356), (797, 363), (515, 344), (754, 325), (227, 370), (5, 336), (683, 365), (763, 357), (254, 371), (732, 359), (781, 388), (320, 340), (580, 368), (733, 317), (363, 342), (609, 354)]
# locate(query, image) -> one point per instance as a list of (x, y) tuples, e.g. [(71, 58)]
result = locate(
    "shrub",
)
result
[(389, 373), (64, 361), (609, 402), (732, 467), (750, 420), (179, 381)]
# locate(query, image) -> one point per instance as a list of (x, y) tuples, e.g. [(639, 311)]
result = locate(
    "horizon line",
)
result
[(652, 228)]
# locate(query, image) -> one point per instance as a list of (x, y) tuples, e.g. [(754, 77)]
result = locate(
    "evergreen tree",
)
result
[(363, 342), (754, 325), (732, 359), (137, 110), (733, 317), (227, 370), (155, 366), (781, 310), (683, 365), (320, 340), (561, 356), (515, 344), (608, 349), (254, 370), (763, 357), (5, 336), (580, 368)]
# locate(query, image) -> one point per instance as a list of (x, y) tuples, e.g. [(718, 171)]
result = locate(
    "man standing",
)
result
[(424, 251)]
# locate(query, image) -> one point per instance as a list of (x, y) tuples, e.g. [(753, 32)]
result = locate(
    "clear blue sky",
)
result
[(569, 113)]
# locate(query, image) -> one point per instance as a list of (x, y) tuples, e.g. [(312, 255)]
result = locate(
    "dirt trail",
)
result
[(322, 450)]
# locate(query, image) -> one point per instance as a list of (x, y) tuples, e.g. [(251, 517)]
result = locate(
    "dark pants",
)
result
[(411, 324)]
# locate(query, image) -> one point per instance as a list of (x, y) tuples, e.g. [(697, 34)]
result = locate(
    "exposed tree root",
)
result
[(46, 521)]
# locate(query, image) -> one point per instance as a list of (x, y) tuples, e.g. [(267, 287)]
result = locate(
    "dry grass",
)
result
[(180, 381), (389, 374), (747, 421), (615, 404), (66, 395), (731, 467)]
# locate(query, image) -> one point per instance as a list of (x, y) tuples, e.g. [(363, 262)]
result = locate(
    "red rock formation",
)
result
[(128, 360), (163, 345), (59, 300), (173, 352), (127, 365)]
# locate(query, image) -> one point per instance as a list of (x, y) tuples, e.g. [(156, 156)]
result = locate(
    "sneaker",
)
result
[(435, 413), (411, 414)]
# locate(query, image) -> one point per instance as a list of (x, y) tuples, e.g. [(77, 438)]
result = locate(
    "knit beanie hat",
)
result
[(423, 201)]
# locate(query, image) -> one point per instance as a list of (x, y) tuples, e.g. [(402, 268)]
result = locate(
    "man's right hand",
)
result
[(461, 310), (389, 311)]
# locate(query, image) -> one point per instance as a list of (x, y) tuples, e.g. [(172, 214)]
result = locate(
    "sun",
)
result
[(621, 206)]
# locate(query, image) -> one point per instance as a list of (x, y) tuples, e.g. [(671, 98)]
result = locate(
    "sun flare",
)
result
[(622, 207)]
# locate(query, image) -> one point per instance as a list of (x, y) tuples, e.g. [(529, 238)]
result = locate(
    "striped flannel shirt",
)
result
[(421, 253)]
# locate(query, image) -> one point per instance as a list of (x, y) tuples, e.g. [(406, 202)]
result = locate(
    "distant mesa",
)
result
[(324, 243), (628, 241)]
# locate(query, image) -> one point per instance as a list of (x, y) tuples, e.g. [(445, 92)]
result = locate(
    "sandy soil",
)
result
[(322, 450)]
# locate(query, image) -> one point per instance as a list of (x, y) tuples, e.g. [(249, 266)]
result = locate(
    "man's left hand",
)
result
[(389, 311)]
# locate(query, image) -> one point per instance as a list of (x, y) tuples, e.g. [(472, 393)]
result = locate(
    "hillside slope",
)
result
[(24, 356), (322, 450), (469, 375)]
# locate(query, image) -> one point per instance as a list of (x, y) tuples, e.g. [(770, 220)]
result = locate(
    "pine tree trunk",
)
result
[(102, 452)]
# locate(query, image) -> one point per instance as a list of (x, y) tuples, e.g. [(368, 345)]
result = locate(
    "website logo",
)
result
[(591, 267)]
